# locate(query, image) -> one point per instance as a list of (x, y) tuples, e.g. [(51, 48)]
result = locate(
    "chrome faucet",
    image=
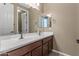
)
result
[(21, 37), (39, 32)]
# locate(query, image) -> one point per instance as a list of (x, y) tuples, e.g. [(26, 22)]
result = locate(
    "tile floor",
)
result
[(54, 54)]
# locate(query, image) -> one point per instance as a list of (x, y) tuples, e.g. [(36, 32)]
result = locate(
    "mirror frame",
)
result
[(27, 17)]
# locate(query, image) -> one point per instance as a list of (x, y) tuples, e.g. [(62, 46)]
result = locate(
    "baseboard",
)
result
[(61, 53)]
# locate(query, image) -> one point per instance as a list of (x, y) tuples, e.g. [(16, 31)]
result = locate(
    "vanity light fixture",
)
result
[(49, 15), (19, 10), (34, 5)]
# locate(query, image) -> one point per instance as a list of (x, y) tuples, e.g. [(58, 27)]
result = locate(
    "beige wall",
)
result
[(64, 28), (77, 29)]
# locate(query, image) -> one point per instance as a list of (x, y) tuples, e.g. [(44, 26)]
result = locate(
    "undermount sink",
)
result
[(12, 42), (15, 41)]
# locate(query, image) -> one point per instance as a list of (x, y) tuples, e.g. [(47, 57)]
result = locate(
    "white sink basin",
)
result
[(14, 42)]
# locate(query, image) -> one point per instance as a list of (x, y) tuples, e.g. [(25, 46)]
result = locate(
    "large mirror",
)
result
[(16, 18), (6, 19)]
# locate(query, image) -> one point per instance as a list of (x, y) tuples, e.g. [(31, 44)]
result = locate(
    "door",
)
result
[(24, 22)]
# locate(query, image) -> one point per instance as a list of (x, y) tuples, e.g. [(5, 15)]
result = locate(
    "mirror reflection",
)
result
[(6, 19), (23, 20), (45, 22), (16, 18)]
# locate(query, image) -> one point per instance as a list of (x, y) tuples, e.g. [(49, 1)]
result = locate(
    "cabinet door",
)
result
[(45, 49), (50, 45), (37, 51), (28, 54)]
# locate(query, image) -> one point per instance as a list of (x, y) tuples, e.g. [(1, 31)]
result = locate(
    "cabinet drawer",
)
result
[(37, 51), (4, 54), (23, 50), (36, 44), (20, 52), (47, 39)]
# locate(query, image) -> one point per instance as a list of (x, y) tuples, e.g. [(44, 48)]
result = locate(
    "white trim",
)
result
[(61, 53), (27, 21)]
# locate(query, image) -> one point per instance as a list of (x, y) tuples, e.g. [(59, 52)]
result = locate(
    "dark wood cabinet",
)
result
[(28, 54), (37, 51), (50, 45), (45, 40), (25, 49), (45, 49), (38, 48), (47, 45)]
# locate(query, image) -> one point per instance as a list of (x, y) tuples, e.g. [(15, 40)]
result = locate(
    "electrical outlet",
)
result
[(77, 40)]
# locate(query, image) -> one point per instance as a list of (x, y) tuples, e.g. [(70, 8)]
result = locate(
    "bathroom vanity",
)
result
[(15, 21), (33, 46)]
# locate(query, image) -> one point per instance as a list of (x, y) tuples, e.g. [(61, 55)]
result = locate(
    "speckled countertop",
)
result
[(8, 43)]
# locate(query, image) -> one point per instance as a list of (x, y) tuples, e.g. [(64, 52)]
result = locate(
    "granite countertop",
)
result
[(13, 42)]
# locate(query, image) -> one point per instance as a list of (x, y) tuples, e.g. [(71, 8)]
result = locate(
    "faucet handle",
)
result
[(21, 36)]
